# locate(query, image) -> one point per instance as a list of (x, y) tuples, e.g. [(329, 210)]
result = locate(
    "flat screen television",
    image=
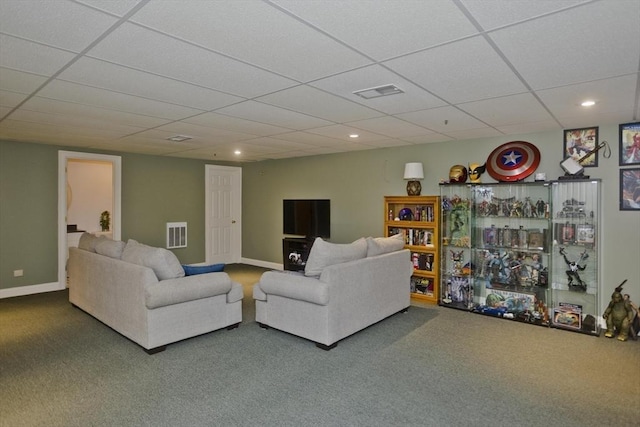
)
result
[(309, 218)]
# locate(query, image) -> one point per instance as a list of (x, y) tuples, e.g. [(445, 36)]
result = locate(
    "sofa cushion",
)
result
[(383, 245), (293, 286), (176, 291), (323, 254), (89, 241), (192, 270), (110, 248), (162, 261)]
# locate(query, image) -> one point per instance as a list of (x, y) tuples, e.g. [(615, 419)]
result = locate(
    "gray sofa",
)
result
[(345, 288), (138, 298)]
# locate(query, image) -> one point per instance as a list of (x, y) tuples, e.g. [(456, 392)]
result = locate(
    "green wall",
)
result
[(155, 190)]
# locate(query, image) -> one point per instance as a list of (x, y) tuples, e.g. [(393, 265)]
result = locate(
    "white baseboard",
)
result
[(31, 289), (264, 264)]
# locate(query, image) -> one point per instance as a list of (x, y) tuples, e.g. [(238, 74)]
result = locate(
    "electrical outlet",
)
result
[(18, 273)]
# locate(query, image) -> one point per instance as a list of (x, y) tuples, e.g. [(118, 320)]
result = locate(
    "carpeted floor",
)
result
[(431, 366)]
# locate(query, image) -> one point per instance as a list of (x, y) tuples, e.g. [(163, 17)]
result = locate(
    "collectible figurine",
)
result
[(456, 257), (574, 267), (618, 315), (475, 170)]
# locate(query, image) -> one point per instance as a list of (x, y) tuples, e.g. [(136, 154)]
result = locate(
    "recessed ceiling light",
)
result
[(378, 91), (180, 138), (354, 135), (588, 103), (237, 152)]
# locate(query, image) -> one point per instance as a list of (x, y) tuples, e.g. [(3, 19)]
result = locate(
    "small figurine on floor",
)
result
[(618, 315)]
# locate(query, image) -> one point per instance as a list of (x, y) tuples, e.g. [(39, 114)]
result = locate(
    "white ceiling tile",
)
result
[(558, 53), (146, 50), (444, 120), (205, 132), (93, 72), (497, 13), (72, 92), (414, 98), (31, 57), (63, 24), (507, 110), (463, 71), (391, 127), (610, 95), (18, 81), (269, 114), (220, 121), (324, 105), (386, 28), (53, 106), (117, 7), (215, 25), (311, 139), (74, 122), (11, 99), (342, 132)]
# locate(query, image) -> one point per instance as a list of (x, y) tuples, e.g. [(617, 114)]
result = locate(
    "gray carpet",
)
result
[(431, 366)]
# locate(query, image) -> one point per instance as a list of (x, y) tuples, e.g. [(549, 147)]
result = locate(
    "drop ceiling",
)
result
[(276, 79)]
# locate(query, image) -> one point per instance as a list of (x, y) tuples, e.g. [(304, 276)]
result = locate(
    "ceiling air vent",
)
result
[(176, 235), (376, 92)]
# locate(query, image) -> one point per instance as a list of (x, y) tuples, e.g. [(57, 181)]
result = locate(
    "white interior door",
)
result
[(223, 223)]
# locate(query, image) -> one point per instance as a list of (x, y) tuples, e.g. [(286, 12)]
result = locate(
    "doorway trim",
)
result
[(63, 158)]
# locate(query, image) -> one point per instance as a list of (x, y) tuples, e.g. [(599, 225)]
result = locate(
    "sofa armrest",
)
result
[(294, 286), (189, 288)]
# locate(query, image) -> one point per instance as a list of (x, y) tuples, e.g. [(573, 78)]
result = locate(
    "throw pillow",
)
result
[(324, 254), (89, 241), (383, 245), (192, 270), (110, 248), (163, 262)]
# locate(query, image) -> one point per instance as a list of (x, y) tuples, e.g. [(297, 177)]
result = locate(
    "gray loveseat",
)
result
[(142, 293), (344, 289)]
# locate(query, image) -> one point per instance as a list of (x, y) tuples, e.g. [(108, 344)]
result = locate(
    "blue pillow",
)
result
[(192, 270)]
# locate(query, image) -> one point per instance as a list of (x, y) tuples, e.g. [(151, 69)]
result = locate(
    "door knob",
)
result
[(233, 221)]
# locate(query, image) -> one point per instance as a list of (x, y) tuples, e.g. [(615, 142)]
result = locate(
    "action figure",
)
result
[(618, 315), (574, 267)]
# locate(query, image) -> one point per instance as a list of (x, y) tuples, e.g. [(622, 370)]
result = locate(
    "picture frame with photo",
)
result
[(578, 143), (629, 137), (630, 189)]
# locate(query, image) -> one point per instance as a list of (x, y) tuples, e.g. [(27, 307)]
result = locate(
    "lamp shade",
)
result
[(413, 171)]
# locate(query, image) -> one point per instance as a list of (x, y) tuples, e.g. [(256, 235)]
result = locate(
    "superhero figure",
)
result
[(574, 267)]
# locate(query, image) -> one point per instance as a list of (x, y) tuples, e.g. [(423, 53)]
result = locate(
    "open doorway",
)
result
[(88, 185)]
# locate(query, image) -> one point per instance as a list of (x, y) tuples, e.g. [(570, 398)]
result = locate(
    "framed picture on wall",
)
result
[(629, 144), (578, 143), (630, 189)]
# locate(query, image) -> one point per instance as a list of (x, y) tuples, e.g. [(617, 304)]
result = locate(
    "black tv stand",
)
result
[(295, 251)]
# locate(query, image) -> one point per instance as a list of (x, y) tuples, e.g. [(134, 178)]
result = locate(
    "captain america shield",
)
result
[(513, 161)]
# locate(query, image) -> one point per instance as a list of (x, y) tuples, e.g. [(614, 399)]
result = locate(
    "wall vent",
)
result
[(176, 235)]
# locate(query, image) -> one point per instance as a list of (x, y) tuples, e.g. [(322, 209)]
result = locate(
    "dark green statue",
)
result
[(618, 315)]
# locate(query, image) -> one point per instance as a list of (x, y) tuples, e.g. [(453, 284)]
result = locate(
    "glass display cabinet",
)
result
[(418, 219), (575, 255), (497, 240), (456, 281)]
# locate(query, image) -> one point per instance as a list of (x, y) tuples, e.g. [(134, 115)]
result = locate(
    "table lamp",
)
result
[(413, 172)]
